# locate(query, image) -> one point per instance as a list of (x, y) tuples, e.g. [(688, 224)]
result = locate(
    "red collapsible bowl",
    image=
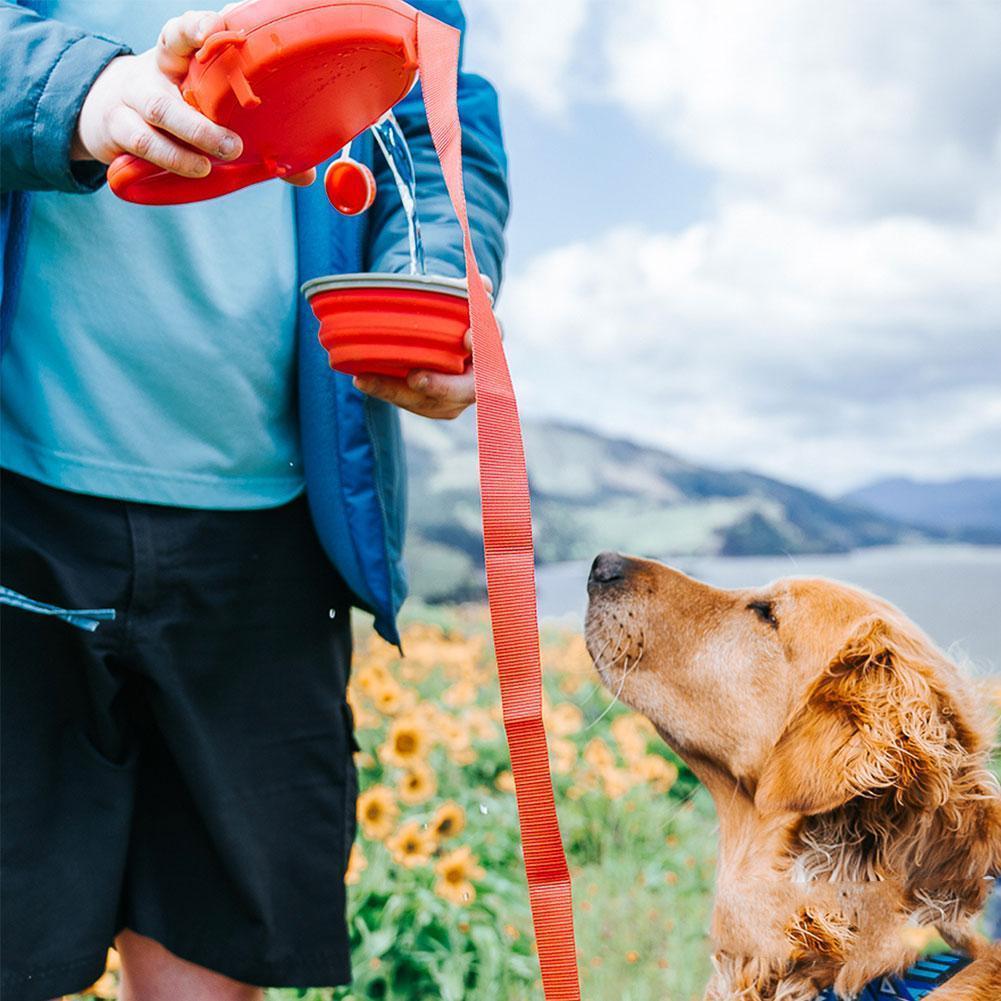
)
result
[(296, 80), (389, 324)]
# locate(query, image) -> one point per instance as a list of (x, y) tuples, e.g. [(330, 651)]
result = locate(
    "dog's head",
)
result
[(817, 709)]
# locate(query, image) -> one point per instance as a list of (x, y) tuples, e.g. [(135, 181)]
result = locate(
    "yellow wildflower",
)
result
[(428, 714), (390, 699), (455, 736), (462, 693), (617, 782), (378, 651), (411, 846), (661, 774), (564, 755), (630, 738), (436, 651), (357, 864), (370, 677), (449, 820), (570, 657), (452, 733), (505, 781), (565, 719), (407, 742), (481, 726), (417, 784), (455, 871), (598, 755), (377, 812), (364, 720)]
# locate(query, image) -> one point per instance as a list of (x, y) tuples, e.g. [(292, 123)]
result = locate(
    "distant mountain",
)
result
[(591, 492), (967, 509)]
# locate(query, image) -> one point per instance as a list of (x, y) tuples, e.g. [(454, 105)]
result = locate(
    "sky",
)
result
[(763, 236)]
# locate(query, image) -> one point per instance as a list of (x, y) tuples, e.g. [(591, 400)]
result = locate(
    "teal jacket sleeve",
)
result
[(484, 167), (46, 70)]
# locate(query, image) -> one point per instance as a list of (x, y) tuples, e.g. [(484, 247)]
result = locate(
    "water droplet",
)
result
[(333, 613), (484, 809)]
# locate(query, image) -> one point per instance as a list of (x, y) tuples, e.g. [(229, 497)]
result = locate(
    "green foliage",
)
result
[(590, 492), (638, 830)]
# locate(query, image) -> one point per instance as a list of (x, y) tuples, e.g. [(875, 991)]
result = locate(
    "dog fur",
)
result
[(848, 761)]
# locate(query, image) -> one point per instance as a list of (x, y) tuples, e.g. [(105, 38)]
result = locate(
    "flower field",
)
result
[(439, 908)]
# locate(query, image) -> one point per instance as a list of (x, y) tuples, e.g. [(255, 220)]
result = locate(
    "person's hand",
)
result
[(134, 106), (429, 394)]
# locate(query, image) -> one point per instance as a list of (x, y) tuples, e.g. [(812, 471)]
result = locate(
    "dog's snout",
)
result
[(607, 567)]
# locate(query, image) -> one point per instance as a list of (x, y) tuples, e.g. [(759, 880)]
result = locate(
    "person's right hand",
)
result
[(134, 106)]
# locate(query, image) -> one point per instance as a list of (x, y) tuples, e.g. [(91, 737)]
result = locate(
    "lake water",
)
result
[(952, 592)]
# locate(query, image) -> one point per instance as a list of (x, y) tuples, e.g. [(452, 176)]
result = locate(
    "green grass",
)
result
[(642, 858), (642, 884)]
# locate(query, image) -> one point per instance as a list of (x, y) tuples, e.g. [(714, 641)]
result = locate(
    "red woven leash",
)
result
[(507, 543)]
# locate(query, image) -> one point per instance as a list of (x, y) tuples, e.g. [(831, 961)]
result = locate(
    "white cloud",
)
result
[(528, 44), (821, 353), (854, 106), (836, 315), (851, 106)]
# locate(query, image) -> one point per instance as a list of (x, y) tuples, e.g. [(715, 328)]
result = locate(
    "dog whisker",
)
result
[(610, 706), (855, 804), (597, 687), (680, 804), (627, 670)]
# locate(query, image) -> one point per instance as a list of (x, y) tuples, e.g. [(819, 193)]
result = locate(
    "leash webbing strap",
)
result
[(508, 550)]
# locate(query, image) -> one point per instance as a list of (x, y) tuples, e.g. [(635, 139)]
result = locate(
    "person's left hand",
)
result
[(429, 394)]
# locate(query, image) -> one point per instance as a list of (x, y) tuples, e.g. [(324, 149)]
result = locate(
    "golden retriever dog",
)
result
[(848, 762)]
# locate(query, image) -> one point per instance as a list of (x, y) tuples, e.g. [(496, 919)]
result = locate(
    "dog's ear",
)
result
[(875, 722)]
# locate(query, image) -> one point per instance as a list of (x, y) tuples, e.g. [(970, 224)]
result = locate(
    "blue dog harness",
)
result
[(913, 984)]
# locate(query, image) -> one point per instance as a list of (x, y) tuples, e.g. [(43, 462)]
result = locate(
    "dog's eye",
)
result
[(764, 611)]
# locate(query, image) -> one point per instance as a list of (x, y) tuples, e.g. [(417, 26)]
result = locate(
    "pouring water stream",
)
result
[(394, 147)]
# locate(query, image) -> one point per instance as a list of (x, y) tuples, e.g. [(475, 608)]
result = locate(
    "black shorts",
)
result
[(184, 771)]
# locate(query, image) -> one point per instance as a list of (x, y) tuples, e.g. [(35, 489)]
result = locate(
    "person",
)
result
[(192, 503)]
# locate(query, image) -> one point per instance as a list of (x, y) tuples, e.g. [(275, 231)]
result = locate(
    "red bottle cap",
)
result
[(296, 80), (350, 186)]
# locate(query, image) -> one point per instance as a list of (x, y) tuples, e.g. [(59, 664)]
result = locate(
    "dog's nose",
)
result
[(606, 568)]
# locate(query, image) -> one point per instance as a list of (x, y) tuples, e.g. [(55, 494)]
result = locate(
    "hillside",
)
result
[(968, 509), (590, 492)]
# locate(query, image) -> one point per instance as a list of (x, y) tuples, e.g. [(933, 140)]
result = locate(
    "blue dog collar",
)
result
[(912, 985)]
